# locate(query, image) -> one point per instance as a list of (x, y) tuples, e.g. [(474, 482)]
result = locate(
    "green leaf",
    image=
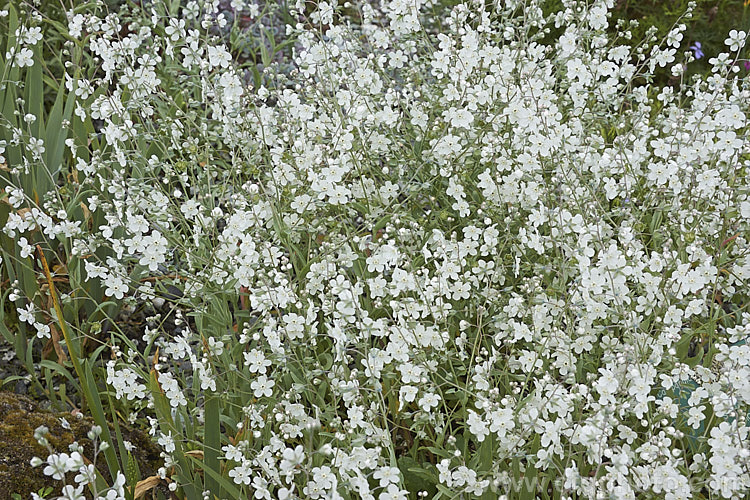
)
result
[(443, 491), (94, 403), (173, 8), (56, 133), (487, 452), (440, 452), (416, 476), (212, 442), (58, 368), (257, 78), (129, 465), (529, 483), (12, 27), (228, 487), (34, 95), (264, 56), (166, 423), (132, 475)]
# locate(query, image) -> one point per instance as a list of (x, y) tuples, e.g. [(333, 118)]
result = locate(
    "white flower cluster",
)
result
[(59, 465), (509, 257)]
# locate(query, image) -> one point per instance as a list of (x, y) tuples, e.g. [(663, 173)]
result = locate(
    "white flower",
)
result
[(291, 458), (42, 330), (72, 493), (115, 286), (393, 492), (86, 475), (736, 40), (477, 426), (35, 147), (242, 474), (719, 62), (24, 57), (218, 56), (323, 476), (262, 387), (62, 463), (429, 401), (26, 249), (501, 421), (75, 24), (166, 441), (407, 393), (26, 314), (324, 14), (674, 37), (176, 29), (29, 36), (696, 416), (190, 208), (664, 57), (387, 475), (256, 361), (461, 118)]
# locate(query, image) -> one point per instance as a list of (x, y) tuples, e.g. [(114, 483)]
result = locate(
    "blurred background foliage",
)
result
[(711, 22), (709, 26)]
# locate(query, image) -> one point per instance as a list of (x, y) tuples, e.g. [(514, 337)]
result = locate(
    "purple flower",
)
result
[(697, 50), (746, 64)]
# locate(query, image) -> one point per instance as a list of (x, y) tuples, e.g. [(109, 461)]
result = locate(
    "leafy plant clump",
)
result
[(399, 254)]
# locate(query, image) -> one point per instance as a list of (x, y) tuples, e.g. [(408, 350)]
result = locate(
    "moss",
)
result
[(20, 416)]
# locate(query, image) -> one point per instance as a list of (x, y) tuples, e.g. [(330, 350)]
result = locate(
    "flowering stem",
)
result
[(84, 373), (74, 356)]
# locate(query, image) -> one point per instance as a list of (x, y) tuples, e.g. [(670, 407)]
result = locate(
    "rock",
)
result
[(21, 387), (20, 416)]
